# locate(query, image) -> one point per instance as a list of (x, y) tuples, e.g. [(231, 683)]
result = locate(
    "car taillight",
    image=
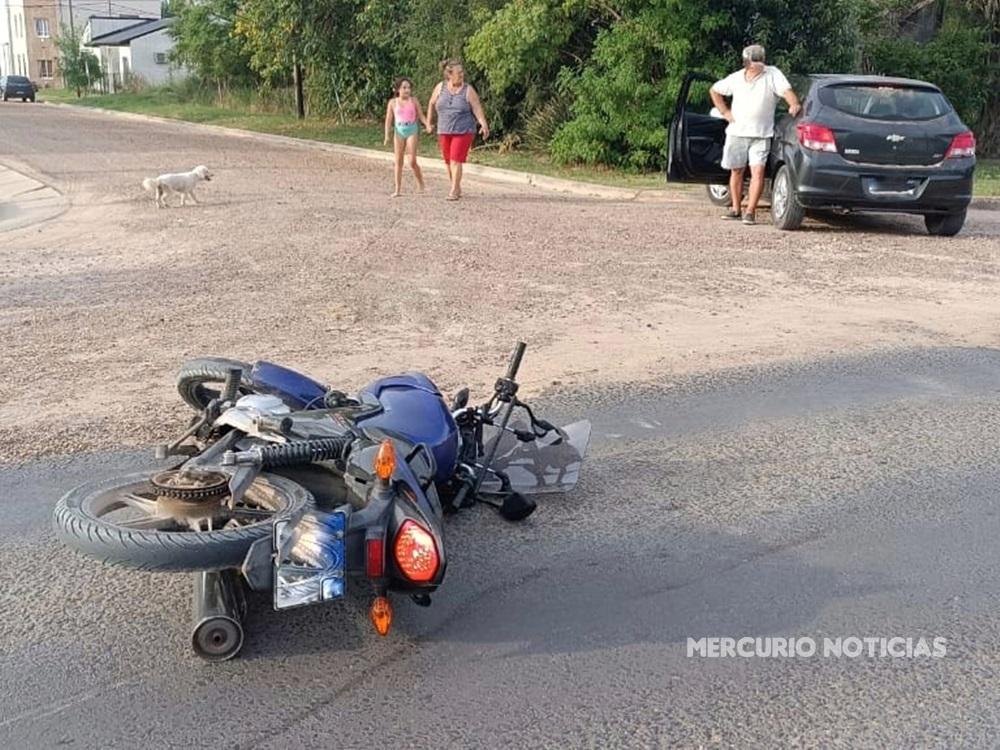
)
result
[(416, 553), (962, 145), (816, 137)]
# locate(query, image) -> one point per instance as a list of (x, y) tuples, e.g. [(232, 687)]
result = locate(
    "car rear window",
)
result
[(17, 79), (881, 102)]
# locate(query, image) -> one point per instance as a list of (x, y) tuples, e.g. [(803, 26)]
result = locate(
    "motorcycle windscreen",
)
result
[(548, 464)]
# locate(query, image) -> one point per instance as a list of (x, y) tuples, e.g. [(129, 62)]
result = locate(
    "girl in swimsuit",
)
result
[(402, 118)]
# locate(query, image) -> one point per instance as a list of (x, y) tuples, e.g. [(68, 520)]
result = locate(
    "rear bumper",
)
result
[(830, 181)]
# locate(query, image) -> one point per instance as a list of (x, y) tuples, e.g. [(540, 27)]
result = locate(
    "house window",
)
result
[(45, 68), (161, 58), (42, 28)]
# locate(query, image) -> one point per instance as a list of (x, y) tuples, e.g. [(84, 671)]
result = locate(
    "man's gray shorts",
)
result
[(740, 151)]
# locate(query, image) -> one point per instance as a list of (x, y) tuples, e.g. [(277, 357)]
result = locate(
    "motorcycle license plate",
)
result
[(309, 559)]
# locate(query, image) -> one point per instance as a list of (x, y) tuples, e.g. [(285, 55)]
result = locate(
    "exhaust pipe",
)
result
[(219, 606)]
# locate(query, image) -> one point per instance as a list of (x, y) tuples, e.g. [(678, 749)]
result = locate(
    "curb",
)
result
[(25, 201), (986, 204), (493, 174)]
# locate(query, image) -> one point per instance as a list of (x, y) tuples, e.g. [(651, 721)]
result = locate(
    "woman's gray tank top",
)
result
[(454, 112)]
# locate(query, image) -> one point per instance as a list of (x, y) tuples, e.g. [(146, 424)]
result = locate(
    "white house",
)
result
[(76, 13), (134, 52), (29, 29), (15, 28)]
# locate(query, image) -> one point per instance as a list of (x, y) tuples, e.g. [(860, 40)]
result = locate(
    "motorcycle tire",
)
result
[(77, 525), (197, 376)]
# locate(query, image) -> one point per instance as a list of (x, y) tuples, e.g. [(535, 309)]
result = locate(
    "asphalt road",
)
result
[(856, 498)]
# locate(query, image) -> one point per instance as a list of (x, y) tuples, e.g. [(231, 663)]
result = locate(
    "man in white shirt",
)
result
[(755, 90)]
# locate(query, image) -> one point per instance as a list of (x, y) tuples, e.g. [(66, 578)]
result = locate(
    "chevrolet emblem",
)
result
[(895, 138)]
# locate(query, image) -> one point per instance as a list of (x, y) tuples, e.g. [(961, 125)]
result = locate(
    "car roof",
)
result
[(831, 79)]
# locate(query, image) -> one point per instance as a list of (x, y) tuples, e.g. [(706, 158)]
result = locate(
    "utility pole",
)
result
[(72, 26), (300, 103)]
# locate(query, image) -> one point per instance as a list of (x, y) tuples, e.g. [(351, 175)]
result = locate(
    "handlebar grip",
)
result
[(545, 425), (515, 360), (231, 388)]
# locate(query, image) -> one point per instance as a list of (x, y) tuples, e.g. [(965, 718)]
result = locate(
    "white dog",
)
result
[(183, 184)]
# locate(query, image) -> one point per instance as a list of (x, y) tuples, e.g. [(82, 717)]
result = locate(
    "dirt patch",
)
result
[(300, 256)]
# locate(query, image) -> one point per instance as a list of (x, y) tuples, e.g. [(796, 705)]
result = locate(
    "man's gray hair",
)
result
[(754, 53)]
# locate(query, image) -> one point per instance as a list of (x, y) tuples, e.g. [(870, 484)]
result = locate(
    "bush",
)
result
[(624, 94), (954, 61)]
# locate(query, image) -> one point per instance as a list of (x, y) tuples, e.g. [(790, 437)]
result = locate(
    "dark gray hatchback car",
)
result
[(861, 143), (16, 87)]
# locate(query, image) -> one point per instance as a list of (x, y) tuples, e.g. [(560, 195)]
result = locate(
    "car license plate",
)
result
[(897, 186)]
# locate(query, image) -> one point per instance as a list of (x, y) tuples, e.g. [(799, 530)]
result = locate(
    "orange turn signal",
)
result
[(385, 460), (381, 615)]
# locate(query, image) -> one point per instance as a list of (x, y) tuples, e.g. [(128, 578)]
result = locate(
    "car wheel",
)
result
[(786, 211), (944, 225), (718, 194)]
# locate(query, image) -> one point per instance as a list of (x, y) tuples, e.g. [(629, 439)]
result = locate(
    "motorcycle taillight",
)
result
[(416, 553)]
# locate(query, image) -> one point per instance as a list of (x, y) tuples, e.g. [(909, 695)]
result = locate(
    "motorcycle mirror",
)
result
[(461, 400), (517, 507)]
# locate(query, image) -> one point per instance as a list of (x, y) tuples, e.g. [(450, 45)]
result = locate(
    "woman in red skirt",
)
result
[(458, 110)]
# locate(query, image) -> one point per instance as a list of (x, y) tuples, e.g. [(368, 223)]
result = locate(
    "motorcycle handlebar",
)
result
[(515, 360)]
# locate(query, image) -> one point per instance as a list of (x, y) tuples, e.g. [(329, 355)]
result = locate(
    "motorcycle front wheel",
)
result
[(200, 380), (126, 521)]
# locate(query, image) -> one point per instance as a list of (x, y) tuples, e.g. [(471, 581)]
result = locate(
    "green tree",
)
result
[(522, 47), (614, 68), (963, 57), (205, 44), (79, 67)]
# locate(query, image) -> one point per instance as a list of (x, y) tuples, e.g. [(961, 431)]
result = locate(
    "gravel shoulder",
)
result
[(300, 255)]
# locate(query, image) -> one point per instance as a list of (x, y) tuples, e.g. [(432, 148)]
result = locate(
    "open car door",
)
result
[(696, 137)]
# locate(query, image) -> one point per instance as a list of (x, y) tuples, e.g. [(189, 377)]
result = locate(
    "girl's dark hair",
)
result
[(447, 65), (399, 82)]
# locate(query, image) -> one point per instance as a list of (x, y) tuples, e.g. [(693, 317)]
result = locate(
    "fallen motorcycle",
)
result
[(292, 487)]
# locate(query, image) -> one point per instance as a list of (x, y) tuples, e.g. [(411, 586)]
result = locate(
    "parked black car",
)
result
[(16, 87), (861, 143)]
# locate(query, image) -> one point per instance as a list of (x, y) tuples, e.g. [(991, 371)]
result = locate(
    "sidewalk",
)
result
[(25, 201)]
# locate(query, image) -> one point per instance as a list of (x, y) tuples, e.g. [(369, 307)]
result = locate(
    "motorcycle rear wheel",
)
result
[(197, 376), (148, 541)]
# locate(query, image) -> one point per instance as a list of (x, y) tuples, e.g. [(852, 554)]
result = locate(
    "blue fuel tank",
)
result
[(412, 406)]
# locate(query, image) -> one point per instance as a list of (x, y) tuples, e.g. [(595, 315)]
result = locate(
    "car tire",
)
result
[(786, 211), (945, 225), (718, 194)]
